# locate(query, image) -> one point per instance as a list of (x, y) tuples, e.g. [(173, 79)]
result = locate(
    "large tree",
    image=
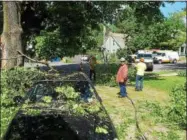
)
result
[(11, 37), (175, 31), (66, 28), (135, 21), (69, 28), (147, 28), (72, 21)]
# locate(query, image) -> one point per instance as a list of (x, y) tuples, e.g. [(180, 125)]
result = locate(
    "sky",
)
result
[(171, 8)]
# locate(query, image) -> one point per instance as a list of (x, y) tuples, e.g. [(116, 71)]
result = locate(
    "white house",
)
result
[(182, 50), (114, 41)]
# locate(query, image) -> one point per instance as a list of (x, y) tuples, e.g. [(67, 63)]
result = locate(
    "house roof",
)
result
[(117, 35), (118, 38)]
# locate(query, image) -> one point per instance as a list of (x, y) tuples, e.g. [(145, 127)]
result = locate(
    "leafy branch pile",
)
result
[(178, 106), (71, 103), (172, 115), (181, 73), (13, 83), (76, 106), (17, 82), (74, 102)]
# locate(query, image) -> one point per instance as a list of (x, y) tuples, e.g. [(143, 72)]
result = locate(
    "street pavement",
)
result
[(178, 66), (69, 68)]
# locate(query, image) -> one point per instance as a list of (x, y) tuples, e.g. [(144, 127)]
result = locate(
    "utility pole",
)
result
[(104, 32)]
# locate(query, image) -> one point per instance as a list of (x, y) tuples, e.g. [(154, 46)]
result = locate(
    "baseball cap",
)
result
[(122, 59)]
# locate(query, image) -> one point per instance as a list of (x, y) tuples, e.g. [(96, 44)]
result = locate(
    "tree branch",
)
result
[(33, 60)]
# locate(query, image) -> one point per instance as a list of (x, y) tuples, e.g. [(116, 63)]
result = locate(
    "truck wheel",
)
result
[(160, 61), (150, 69), (174, 61)]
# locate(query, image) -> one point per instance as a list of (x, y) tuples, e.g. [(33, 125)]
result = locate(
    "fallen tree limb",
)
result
[(33, 60)]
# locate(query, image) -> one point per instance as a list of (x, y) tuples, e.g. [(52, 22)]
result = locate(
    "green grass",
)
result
[(164, 83), (156, 90), (182, 58), (164, 72)]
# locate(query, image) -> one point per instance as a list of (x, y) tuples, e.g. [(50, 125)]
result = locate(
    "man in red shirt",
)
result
[(122, 76)]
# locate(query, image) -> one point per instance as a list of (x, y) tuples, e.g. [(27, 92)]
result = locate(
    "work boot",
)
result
[(136, 89)]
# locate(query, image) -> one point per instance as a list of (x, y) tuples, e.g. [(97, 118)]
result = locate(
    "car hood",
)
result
[(40, 122)]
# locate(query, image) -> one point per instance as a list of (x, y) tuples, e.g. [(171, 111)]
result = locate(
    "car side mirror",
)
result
[(18, 100)]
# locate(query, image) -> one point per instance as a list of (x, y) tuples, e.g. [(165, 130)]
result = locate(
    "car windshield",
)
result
[(51, 89), (147, 56)]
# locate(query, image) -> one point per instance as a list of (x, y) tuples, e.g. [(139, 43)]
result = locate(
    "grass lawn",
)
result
[(182, 58), (164, 83), (163, 72), (121, 110)]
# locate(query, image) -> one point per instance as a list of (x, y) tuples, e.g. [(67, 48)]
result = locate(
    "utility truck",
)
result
[(166, 57)]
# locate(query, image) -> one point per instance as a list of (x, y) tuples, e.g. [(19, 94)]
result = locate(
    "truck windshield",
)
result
[(147, 56), (159, 54)]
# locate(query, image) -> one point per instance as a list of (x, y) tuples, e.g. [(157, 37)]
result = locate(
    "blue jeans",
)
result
[(139, 82), (123, 89)]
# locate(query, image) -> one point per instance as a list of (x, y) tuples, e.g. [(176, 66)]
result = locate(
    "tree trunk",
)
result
[(11, 37)]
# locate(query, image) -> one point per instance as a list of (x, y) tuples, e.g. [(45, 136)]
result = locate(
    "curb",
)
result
[(170, 74)]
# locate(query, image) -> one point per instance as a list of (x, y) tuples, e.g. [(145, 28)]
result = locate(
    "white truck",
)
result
[(166, 57), (148, 59)]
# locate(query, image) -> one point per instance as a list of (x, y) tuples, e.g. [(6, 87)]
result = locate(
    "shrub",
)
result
[(121, 53), (177, 111), (106, 74), (131, 74), (181, 73), (113, 58)]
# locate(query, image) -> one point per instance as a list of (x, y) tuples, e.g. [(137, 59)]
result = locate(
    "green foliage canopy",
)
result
[(149, 29), (72, 27)]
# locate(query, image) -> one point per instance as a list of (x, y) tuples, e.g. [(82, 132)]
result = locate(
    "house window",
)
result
[(113, 43), (182, 50)]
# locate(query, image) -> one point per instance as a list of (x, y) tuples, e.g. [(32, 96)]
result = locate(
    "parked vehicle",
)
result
[(56, 59), (131, 58), (166, 57), (148, 60), (61, 109), (85, 58), (156, 53)]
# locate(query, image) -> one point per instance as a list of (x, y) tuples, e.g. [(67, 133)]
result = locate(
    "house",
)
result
[(182, 50), (113, 42)]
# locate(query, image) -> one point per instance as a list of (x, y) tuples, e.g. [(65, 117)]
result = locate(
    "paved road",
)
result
[(69, 68), (178, 66)]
